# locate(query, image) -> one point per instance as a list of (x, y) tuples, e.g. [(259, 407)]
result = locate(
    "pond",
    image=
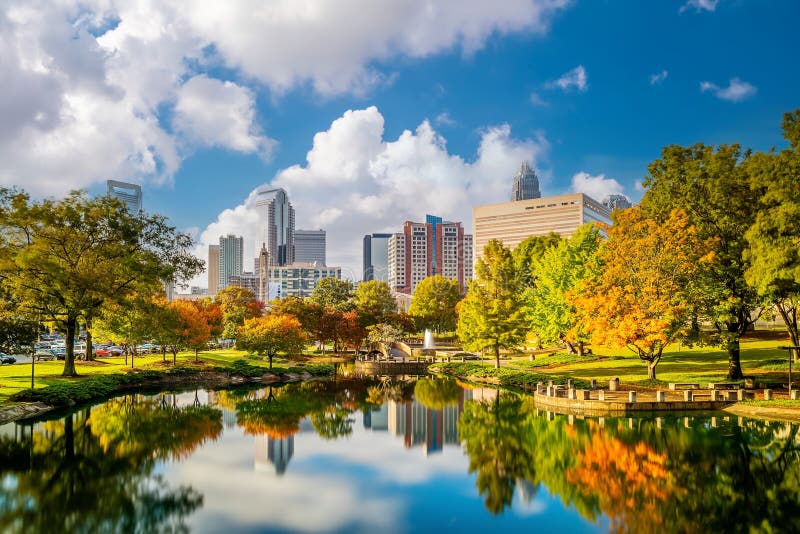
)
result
[(382, 455)]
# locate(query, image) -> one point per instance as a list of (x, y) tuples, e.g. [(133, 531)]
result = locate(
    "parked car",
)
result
[(59, 352), (44, 354), (6, 359), (109, 351)]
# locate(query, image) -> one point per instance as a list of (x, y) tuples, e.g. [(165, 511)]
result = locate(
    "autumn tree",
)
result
[(127, 323), (492, 316), (645, 295), (211, 312), (373, 301), (351, 333), (773, 256), (65, 260), (269, 335), (712, 186), (333, 293), (179, 325), (560, 270), (237, 305), (434, 303)]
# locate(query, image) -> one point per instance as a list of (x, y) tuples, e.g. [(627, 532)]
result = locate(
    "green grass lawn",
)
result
[(16, 377), (679, 364)]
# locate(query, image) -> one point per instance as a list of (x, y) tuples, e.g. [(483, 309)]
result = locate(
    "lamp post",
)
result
[(790, 348)]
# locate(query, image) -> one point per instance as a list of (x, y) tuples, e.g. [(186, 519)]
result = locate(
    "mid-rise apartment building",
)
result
[(230, 259), (427, 249)]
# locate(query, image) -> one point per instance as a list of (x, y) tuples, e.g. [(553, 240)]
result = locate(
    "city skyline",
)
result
[(368, 126)]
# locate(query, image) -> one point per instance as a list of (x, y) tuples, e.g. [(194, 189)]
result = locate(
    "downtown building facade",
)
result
[(230, 259), (376, 257), (617, 202), (275, 225), (299, 279), (129, 194), (513, 222), (309, 246), (434, 247), (526, 184)]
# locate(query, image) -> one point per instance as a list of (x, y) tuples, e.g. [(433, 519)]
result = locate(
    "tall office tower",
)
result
[(376, 257), (230, 259), (526, 184), (426, 249), (275, 225), (129, 194), (263, 274), (309, 246), (617, 202), (513, 222), (213, 269)]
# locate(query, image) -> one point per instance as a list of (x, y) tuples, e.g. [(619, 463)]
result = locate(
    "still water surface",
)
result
[(389, 456)]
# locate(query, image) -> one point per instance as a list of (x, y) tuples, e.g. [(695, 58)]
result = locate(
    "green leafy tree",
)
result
[(65, 260), (333, 293), (374, 301), (494, 437), (774, 255), (17, 332), (434, 303), (527, 253), (713, 187), (237, 305), (269, 335), (560, 270), (492, 316), (128, 323)]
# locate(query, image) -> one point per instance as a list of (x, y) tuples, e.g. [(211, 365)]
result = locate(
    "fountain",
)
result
[(428, 342)]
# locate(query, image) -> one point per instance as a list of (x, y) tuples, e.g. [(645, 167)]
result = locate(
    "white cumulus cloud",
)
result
[(736, 91), (598, 187), (355, 182), (211, 112), (572, 79), (86, 86)]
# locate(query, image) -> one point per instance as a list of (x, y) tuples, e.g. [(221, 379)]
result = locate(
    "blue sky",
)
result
[(202, 105)]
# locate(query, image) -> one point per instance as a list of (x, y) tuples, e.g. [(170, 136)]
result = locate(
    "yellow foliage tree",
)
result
[(646, 292)]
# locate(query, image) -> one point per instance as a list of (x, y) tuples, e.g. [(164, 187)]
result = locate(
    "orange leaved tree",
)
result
[(646, 292), (271, 334)]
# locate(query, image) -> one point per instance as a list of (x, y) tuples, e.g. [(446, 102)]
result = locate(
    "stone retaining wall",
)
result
[(392, 368), (621, 406)]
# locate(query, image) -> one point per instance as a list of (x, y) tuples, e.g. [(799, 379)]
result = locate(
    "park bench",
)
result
[(723, 385), (683, 385)]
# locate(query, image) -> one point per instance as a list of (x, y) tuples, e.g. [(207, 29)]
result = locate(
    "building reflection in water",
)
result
[(420, 426)]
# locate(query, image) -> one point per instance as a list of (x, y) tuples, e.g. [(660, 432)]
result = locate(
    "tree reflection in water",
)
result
[(644, 475), (93, 470)]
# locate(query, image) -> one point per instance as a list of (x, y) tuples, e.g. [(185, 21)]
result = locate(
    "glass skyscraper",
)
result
[(275, 225), (129, 194), (526, 184), (376, 257)]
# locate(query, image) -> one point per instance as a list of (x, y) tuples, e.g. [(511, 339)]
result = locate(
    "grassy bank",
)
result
[(97, 376), (760, 358), (504, 376)]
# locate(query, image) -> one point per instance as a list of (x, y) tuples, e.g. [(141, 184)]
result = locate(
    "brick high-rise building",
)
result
[(426, 249)]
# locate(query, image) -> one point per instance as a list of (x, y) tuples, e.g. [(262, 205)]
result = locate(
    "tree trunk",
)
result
[(164, 353), (734, 361), (195, 355), (570, 347), (497, 357), (789, 315), (581, 348), (69, 358), (89, 354), (174, 357), (270, 361), (651, 370)]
